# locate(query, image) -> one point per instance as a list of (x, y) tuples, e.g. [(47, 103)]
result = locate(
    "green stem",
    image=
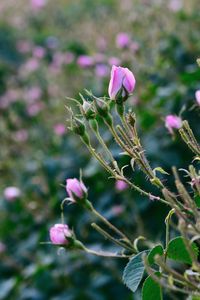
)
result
[(112, 239)]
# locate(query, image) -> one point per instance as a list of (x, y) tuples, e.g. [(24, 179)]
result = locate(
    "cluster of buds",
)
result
[(93, 112)]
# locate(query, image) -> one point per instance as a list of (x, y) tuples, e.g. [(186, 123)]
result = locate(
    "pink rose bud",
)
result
[(122, 40), (197, 96), (59, 234), (75, 189), (122, 83), (173, 122), (121, 185), (11, 193)]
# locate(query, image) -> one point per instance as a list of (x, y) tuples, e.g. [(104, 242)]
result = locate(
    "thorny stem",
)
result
[(151, 272), (110, 225), (105, 254), (167, 236), (121, 177), (96, 132), (143, 160), (176, 274)]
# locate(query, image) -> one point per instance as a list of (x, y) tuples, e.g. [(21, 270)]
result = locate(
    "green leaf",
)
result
[(134, 271), (177, 250), (151, 290), (156, 250), (197, 200)]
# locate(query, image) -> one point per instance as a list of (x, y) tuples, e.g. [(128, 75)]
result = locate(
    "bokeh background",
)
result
[(53, 49)]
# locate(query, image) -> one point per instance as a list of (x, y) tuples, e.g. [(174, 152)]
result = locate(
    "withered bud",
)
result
[(131, 119)]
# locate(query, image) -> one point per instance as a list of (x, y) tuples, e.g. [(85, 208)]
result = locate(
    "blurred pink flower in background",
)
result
[(101, 44), (197, 96), (39, 52), (59, 233), (134, 46), (24, 46), (59, 129), (117, 210), (114, 61), (99, 57), (21, 135), (33, 93), (122, 79), (68, 57), (85, 61), (101, 70), (11, 193), (175, 5), (34, 108), (8, 97), (173, 122), (38, 4), (122, 40), (121, 185), (2, 247), (31, 65)]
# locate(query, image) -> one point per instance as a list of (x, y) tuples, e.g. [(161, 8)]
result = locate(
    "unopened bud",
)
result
[(101, 107), (78, 127), (60, 234), (88, 110)]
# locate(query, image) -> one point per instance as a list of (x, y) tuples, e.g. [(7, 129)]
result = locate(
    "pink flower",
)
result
[(68, 57), (24, 46), (101, 44), (33, 93), (122, 79), (75, 189), (122, 40), (38, 4), (173, 122), (197, 96), (117, 210), (34, 108), (59, 234), (59, 129), (2, 247), (101, 70), (39, 52), (134, 46), (121, 185), (85, 61), (31, 65), (21, 135), (175, 5), (11, 193), (114, 61)]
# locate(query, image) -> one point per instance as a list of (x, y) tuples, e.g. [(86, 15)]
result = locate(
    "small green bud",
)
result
[(121, 96), (94, 124), (101, 107), (88, 110), (78, 127)]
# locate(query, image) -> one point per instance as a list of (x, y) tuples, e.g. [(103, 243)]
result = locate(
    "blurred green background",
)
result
[(42, 60)]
